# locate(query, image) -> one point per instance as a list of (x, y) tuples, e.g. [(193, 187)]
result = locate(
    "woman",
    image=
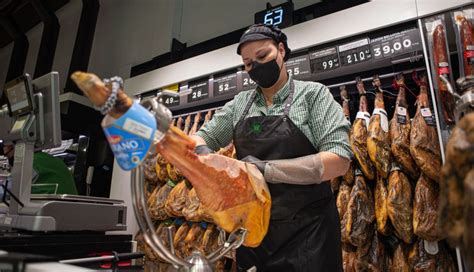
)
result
[(296, 134)]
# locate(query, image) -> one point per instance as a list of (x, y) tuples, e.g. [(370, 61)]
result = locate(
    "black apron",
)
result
[(304, 232)]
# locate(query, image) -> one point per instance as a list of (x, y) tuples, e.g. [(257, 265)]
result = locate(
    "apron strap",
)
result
[(249, 104), (287, 102), (289, 99)]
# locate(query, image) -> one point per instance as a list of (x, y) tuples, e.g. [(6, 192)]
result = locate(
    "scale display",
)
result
[(18, 95), (225, 84)]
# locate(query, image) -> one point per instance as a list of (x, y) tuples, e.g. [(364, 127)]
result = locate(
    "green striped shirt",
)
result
[(314, 111)]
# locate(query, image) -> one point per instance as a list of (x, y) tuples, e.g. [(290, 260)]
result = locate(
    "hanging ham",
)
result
[(381, 209), (425, 209), (348, 177), (378, 140), (424, 144), (358, 136), (176, 200), (400, 127), (360, 214), (457, 188), (400, 204)]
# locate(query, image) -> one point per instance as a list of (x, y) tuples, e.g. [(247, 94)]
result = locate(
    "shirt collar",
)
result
[(280, 96)]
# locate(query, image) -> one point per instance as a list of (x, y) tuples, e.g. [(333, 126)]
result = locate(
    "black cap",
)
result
[(259, 32)]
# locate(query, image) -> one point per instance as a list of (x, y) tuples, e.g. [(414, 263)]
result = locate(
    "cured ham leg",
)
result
[(358, 135), (400, 127), (424, 144), (233, 192), (378, 142)]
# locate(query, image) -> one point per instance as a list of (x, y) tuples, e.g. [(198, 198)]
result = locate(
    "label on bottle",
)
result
[(364, 116), (429, 118), (401, 115), (130, 136), (383, 118), (431, 247)]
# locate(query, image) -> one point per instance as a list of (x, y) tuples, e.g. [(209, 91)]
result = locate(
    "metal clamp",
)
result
[(234, 241), (162, 115)]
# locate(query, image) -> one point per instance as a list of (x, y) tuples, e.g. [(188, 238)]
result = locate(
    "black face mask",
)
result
[(265, 74)]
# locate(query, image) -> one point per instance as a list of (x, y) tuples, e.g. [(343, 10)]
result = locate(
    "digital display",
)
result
[(17, 97), (281, 15), (19, 100)]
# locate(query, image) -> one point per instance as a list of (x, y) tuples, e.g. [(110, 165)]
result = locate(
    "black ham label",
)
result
[(402, 115), (429, 118)]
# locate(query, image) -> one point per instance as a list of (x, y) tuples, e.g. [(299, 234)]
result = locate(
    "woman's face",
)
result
[(261, 51)]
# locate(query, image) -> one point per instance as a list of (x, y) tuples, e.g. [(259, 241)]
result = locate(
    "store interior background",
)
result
[(129, 33), (132, 32)]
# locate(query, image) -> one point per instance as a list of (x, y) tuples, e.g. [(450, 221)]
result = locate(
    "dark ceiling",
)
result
[(22, 13)]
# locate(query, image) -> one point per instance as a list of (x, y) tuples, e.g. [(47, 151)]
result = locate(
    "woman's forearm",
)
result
[(311, 169), (334, 165)]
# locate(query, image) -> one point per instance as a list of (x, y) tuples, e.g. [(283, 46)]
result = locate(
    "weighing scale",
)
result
[(32, 121)]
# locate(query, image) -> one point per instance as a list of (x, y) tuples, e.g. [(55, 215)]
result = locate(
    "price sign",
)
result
[(199, 90), (298, 67), (225, 84), (247, 82), (355, 52), (397, 43), (324, 60), (171, 100)]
